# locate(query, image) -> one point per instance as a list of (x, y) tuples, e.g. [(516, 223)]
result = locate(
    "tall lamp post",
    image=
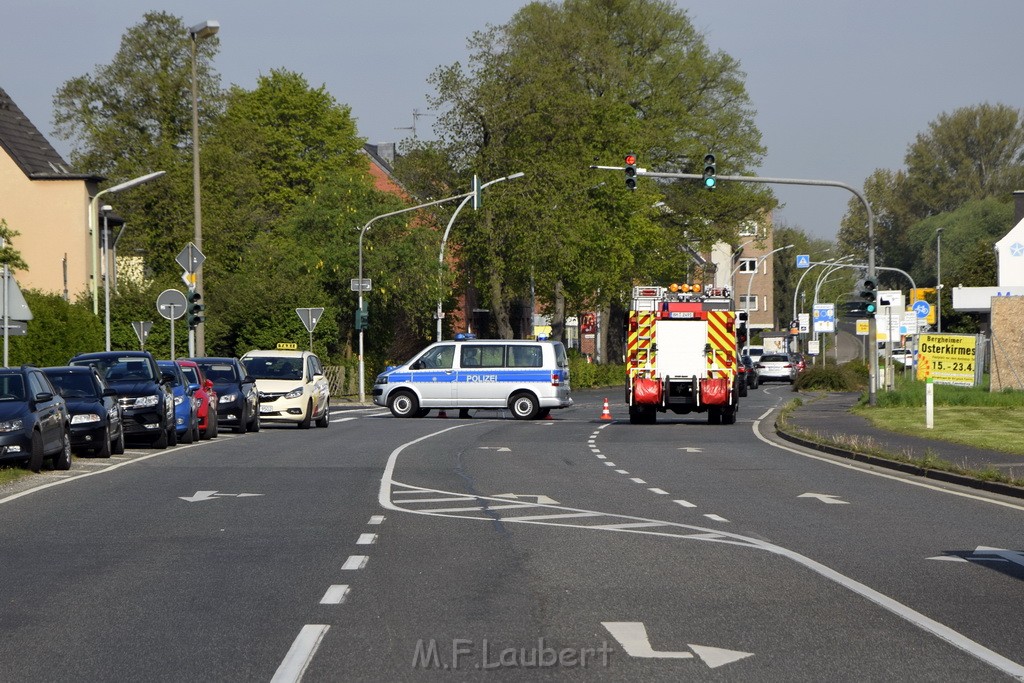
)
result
[(105, 210), (938, 280), (757, 267), (197, 33), (94, 220), (448, 229)]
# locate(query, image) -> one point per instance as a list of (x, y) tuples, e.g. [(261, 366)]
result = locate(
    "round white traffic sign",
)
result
[(171, 304)]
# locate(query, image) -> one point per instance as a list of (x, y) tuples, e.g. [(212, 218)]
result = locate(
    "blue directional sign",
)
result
[(803, 261), (922, 308)]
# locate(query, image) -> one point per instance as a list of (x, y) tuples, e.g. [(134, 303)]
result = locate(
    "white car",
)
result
[(292, 387)]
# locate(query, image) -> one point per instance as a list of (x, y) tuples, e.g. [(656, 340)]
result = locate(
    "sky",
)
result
[(841, 87)]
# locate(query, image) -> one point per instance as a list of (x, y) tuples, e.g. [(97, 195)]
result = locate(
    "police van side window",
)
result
[(525, 357), (438, 358), (482, 356)]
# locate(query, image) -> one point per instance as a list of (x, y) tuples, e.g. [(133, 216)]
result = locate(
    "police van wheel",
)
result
[(403, 404), (523, 406)]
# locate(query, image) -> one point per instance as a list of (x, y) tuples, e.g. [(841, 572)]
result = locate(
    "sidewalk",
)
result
[(828, 414)]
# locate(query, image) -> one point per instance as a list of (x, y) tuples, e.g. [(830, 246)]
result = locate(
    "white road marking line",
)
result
[(343, 419), (300, 654), (638, 480), (610, 464), (335, 595), (622, 471), (567, 515), (716, 518), (480, 508), (355, 562), (449, 499), (376, 519), (684, 503), (628, 525), (601, 457), (366, 539), (660, 492)]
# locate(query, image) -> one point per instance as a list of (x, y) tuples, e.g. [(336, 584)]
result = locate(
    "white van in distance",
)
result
[(527, 377)]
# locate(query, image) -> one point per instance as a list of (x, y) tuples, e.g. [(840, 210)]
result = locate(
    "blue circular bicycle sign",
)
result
[(922, 308)]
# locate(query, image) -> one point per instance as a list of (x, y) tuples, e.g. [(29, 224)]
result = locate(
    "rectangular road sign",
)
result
[(364, 285)]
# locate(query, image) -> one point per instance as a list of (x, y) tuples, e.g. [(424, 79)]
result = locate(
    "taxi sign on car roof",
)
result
[(287, 346)]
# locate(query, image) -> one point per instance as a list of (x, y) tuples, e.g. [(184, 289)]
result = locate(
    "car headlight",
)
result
[(294, 393), (381, 379), (228, 398), (146, 401), (178, 400), (11, 426), (84, 418)]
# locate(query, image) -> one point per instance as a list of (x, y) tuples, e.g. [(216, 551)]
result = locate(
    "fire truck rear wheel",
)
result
[(714, 416), (523, 406), (729, 415)]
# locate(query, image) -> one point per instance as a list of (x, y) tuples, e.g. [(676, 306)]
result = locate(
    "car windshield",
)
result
[(12, 388), (220, 372), (172, 370), (74, 384), (126, 369), (191, 374), (269, 367), (774, 358)]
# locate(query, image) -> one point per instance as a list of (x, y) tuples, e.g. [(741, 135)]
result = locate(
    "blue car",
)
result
[(186, 407)]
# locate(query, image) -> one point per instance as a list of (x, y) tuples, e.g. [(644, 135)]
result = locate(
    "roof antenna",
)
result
[(416, 115)]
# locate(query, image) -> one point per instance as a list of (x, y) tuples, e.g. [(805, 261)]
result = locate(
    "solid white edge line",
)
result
[(300, 654)]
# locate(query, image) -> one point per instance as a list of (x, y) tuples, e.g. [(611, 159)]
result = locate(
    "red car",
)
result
[(206, 396)]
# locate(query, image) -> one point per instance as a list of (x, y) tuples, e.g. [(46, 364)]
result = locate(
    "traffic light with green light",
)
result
[(709, 172)]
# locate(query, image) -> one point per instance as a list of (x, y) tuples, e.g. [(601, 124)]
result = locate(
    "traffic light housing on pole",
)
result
[(631, 171), (362, 318), (867, 292), (709, 172), (195, 309)]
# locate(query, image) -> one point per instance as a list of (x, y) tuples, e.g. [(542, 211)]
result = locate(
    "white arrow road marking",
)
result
[(632, 635), (688, 449), (1008, 555), (541, 500), (500, 449), (825, 498), (210, 495)]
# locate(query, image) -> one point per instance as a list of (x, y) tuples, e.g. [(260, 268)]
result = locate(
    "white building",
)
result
[(1010, 249)]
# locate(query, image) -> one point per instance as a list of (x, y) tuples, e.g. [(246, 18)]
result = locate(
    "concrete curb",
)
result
[(904, 467)]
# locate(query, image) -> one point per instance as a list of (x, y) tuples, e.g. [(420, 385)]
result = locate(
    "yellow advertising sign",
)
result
[(947, 358)]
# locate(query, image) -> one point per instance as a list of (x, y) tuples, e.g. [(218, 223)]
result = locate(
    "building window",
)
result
[(748, 265), (748, 303)]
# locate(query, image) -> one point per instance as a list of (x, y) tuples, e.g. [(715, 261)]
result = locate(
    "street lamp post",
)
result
[(105, 210), (938, 280), (198, 32), (757, 267), (94, 219), (447, 230)]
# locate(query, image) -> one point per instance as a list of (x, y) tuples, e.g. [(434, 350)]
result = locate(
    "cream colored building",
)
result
[(48, 204)]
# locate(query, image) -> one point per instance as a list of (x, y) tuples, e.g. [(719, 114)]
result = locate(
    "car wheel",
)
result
[(243, 424), (308, 417), (403, 404), (326, 418), (62, 458), (523, 406), (162, 440), (103, 450), (172, 435), (212, 428), (35, 460), (117, 448), (254, 426), (186, 436)]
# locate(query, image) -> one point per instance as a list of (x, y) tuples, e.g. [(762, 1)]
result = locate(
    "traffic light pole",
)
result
[(872, 330)]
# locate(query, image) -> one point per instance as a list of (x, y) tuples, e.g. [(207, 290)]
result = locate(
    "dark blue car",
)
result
[(186, 408), (34, 422), (96, 425)]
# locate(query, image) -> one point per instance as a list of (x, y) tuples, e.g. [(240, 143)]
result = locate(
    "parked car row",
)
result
[(100, 400)]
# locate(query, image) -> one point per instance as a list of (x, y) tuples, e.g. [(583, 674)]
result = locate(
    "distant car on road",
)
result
[(750, 372), (205, 395), (186, 409), (34, 420), (776, 366), (96, 417), (755, 352)]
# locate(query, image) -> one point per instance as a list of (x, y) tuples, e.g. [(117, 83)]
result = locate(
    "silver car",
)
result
[(776, 367)]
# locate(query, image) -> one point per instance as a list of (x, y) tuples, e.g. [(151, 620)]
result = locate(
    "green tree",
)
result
[(58, 330), (562, 86), (134, 116), (8, 254)]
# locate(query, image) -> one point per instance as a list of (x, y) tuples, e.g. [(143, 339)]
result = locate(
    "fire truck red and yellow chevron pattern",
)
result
[(640, 342), (722, 338)]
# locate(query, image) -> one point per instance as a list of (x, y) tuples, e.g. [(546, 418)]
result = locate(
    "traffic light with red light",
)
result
[(631, 171)]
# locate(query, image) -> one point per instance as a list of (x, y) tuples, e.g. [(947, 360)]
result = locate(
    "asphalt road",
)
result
[(572, 548)]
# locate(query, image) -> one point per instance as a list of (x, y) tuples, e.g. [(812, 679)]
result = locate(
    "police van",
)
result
[(527, 377)]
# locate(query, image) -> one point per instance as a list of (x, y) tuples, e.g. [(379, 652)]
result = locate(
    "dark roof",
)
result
[(32, 152)]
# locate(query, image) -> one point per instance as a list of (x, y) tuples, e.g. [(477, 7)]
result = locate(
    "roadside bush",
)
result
[(846, 377), (584, 375)]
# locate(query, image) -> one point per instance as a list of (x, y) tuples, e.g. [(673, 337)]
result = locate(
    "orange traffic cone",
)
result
[(605, 413)]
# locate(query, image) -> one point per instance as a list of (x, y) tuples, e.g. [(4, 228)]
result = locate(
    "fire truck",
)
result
[(681, 353)]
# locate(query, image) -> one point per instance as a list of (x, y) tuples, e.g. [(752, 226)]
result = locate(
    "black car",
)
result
[(143, 392), (750, 371), (238, 401), (96, 416), (34, 421)]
